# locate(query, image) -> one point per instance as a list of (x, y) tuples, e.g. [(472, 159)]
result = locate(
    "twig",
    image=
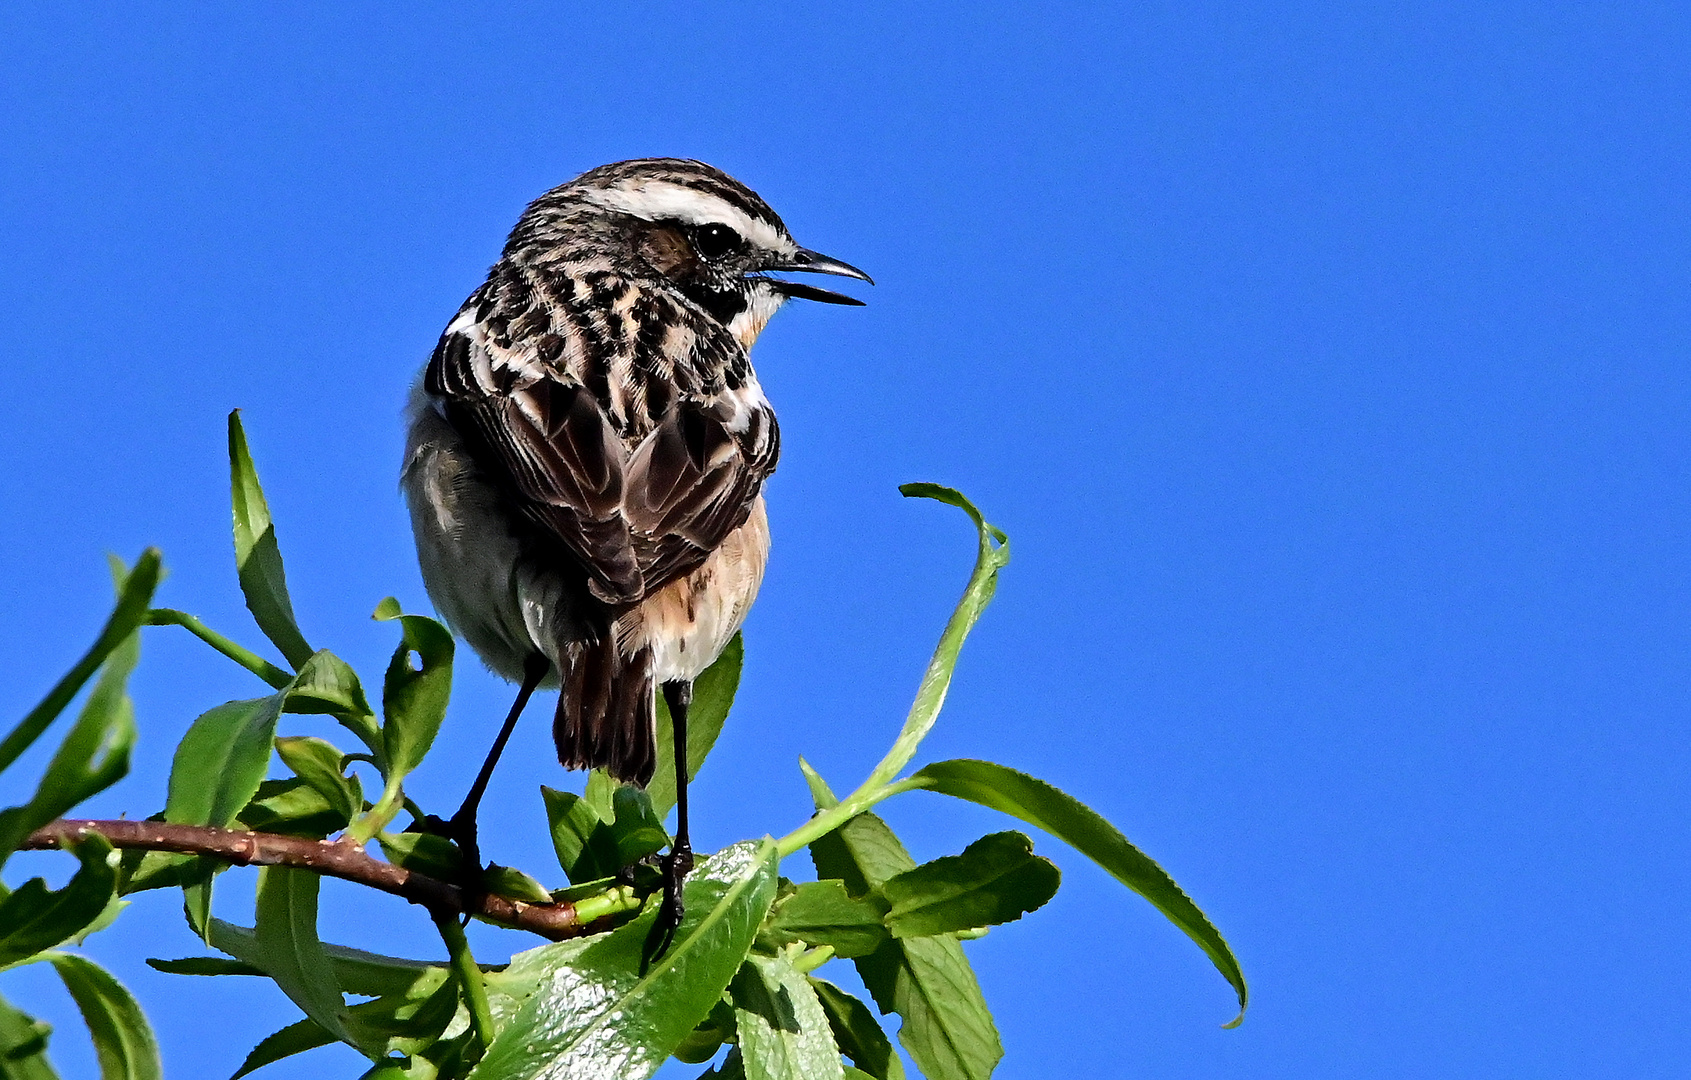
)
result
[(331, 858)]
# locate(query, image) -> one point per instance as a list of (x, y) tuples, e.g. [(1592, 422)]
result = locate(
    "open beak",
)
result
[(816, 263)]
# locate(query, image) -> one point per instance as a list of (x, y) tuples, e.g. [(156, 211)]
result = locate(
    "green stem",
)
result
[(615, 901), (841, 812), (245, 657), (375, 819), (470, 983)]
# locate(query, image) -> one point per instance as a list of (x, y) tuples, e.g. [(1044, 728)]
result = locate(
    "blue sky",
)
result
[(1327, 368)]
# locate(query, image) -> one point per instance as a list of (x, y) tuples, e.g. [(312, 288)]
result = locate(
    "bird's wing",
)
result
[(638, 501)]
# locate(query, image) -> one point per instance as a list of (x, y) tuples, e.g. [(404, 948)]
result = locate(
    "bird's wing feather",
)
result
[(637, 509)]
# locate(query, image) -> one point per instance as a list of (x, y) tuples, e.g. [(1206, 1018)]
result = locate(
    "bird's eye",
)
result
[(715, 240)]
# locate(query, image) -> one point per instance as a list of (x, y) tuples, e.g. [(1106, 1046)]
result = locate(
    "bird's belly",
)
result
[(690, 621)]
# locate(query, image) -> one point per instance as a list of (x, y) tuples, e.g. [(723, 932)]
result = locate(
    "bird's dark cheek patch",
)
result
[(722, 304)]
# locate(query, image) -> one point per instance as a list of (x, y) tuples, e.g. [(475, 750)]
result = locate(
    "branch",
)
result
[(341, 859)]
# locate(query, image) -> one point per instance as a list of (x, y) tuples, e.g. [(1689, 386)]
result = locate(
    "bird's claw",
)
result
[(676, 866)]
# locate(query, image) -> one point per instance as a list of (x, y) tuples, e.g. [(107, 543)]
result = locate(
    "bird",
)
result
[(586, 455)]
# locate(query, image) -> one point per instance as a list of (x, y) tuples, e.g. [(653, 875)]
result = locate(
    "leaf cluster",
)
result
[(739, 986)]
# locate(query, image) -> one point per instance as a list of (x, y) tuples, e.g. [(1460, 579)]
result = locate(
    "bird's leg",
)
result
[(679, 862), (462, 828)]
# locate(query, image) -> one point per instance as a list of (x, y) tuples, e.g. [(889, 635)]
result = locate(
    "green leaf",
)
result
[(291, 807), (326, 684), (703, 1041), (600, 1015), (202, 965), (414, 697), (123, 1042), (23, 1046), (33, 919), (1041, 805), (636, 832), (995, 880), (578, 836), (131, 611), (286, 947), (318, 763), (823, 913), (713, 696), (427, 854), (356, 971), (947, 1028), (94, 755), (221, 761), (258, 561), (513, 884), (992, 555), (296, 1038), (857, 1033), (784, 1034)]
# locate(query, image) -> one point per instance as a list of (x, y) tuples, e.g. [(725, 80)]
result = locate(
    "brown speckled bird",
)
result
[(587, 453)]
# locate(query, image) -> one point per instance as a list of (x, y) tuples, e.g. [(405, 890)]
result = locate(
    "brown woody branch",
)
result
[(343, 859)]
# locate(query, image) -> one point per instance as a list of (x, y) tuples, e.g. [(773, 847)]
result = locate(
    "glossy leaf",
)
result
[(221, 761), (318, 763), (995, 880), (784, 1034), (857, 1033), (947, 1030), (601, 1015), (33, 918), (258, 561), (94, 755), (294, 1039), (131, 611), (713, 696), (123, 1042), (823, 913), (1065, 817), (23, 1045), (414, 697)]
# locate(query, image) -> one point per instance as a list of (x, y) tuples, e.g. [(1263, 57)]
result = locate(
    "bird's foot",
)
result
[(675, 867), (461, 830)]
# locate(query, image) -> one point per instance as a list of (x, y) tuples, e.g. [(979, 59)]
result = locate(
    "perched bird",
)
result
[(586, 456)]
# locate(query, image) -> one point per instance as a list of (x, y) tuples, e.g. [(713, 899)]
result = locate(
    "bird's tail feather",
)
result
[(605, 717)]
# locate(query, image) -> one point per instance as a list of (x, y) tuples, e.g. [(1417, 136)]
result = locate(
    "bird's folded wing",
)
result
[(636, 516)]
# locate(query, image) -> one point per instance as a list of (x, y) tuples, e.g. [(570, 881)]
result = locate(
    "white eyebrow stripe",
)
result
[(654, 200)]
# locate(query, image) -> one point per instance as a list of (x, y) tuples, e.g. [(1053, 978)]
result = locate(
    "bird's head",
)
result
[(692, 226)]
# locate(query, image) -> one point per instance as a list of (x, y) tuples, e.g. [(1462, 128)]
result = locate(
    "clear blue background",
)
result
[(1327, 368)]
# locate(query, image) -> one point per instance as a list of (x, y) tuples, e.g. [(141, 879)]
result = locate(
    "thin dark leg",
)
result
[(462, 827), (679, 862)]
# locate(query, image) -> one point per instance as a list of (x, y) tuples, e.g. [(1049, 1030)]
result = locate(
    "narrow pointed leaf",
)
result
[(995, 880), (784, 1034), (947, 1030), (123, 1042), (23, 1045), (33, 919), (291, 807), (326, 684), (131, 611), (294, 1039), (286, 947), (94, 755), (857, 1033), (599, 1015), (713, 696), (221, 761), (258, 561), (1065, 817)]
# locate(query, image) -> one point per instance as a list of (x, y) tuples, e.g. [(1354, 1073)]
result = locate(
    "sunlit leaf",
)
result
[(415, 692), (123, 1042), (823, 913), (601, 1015), (326, 684), (1039, 804), (286, 947), (258, 561), (291, 807), (221, 761), (995, 880), (947, 1030), (784, 1034), (294, 1039)]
